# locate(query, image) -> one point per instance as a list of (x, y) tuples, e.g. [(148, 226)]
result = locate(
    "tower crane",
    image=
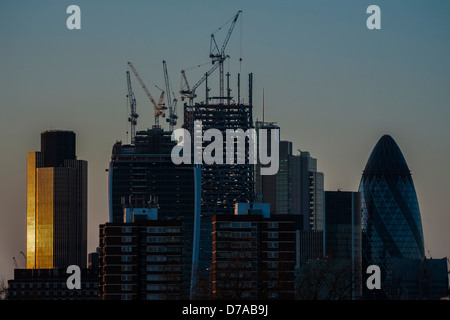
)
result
[(132, 102), (160, 106), (217, 55), (172, 103)]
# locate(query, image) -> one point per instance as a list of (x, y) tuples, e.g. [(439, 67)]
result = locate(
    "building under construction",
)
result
[(225, 184)]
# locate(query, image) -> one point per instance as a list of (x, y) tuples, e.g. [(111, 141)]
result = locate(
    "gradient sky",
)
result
[(333, 86)]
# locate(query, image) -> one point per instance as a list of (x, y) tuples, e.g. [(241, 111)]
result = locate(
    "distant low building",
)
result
[(419, 279), (50, 284)]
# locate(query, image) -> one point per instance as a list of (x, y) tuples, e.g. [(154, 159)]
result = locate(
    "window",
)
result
[(126, 287), (156, 258), (126, 296), (272, 255), (126, 258), (126, 277), (126, 239), (126, 229), (156, 287), (272, 235), (273, 225), (272, 244), (127, 248), (126, 268)]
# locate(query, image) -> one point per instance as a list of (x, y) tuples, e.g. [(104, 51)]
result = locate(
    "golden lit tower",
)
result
[(56, 203)]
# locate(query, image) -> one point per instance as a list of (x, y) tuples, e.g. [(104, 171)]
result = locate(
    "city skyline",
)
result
[(333, 87)]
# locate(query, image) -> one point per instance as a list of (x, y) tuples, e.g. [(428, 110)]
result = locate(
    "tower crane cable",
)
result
[(218, 57), (158, 107)]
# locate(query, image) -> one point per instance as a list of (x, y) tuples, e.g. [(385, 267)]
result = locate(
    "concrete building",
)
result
[(141, 258), (50, 284), (254, 254)]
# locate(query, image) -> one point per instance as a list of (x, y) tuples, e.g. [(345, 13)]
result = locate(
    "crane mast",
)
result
[(132, 102), (172, 103), (160, 106), (220, 56), (216, 55)]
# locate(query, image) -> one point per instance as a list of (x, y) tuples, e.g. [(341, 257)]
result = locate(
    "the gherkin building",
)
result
[(391, 223)]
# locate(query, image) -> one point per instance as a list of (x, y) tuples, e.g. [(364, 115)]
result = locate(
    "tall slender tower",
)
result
[(391, 223), (56, 203)]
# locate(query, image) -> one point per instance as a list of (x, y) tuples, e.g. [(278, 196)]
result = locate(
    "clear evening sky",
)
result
[(332, 85)]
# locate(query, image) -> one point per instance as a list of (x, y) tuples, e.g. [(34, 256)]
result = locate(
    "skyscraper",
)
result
[(144, 170), (343, 237), (56, 203), (296, 189), (391, 222)]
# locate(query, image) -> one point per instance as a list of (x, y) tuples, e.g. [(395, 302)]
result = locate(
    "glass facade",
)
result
[(56, 204), (391, 222)]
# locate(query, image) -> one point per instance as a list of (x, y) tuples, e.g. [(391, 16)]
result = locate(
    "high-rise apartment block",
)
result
[(56, 203), (141, 258), (254, 254)]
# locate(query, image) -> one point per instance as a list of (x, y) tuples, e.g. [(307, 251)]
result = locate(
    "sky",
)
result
[(331, 84)]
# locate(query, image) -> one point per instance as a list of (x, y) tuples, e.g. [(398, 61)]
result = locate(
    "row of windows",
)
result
[(163, 239), (235, 235), (163, 268), (163, 230), (61, 293), (234, 225), (162, 287), (235, 245), (162, 277), (243, 225), (153, 258), (163, 249), (55, 285)]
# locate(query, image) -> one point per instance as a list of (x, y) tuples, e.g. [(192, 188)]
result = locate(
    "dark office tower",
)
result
[(297, 188), (265, 184), (57, 146), (56, 203), (391, 223), (343, 238), (144, 171)]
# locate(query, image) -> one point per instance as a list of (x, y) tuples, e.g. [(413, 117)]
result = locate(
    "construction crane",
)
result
[(132, 102), (172, 103), (217, 55), (160, 106)]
